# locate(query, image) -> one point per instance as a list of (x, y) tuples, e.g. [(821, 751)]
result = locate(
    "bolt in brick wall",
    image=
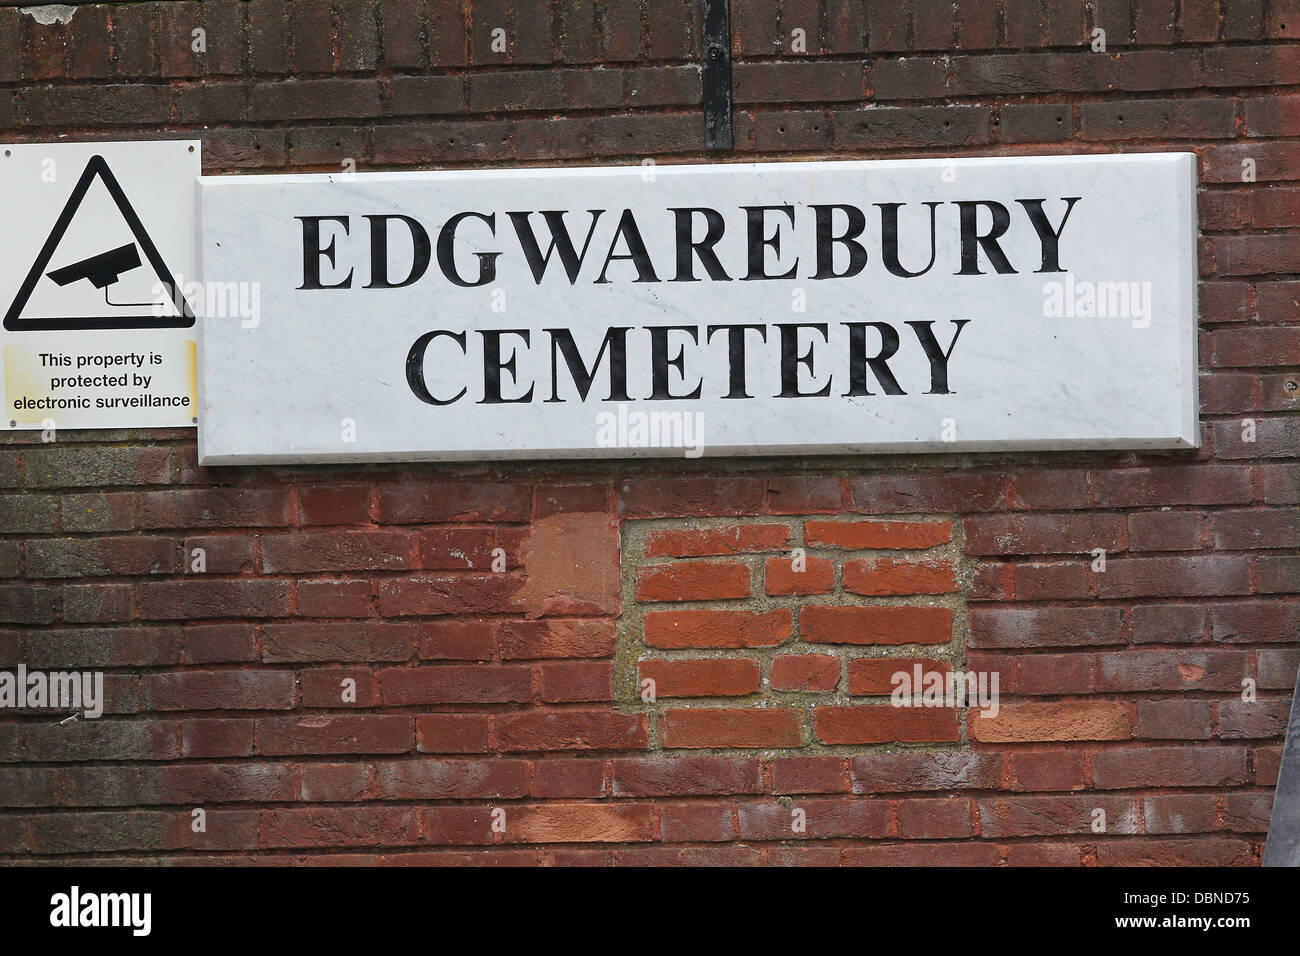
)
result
[(355, 676)]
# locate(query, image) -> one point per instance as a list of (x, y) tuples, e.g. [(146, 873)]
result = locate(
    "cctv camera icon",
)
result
[(102, 270)]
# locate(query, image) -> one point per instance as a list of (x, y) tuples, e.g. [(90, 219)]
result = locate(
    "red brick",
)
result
[(1042, 854), (580, 823), (317, 598), (702, 678), (458, 826), (875, 625), (219, 554), (822, 774), (11, 44), (348, 733), (875, 676), (27, 605), (1267, 762), (1181, 670), (887, 576), (816, 576), (1247, 812), (100, 557), (692, 581), (924, 771), (1152, 650), (807, 672), (576, 28), (909, 78), (884, 724), (193, 599), (807, 494), (935, 818), (540, 730), (453, 733), (334, 782), (1045, 627), (886, 26), (1199, 851), (695, 822), (1256, 529), (268, 33), (1170, 485), (216, 737), (1158, 119), (1253, 347), (1055, 815), (471, 549), (325, 688), (569, 778), (361, 826), (728, 539), (1174, 719), (435, 501), (337, 551), (1050, 674), (1262, 718), (1165, 531), (214, 508), (1179, 813), (1188, 766), (90, 512), (217, 643), (1052, 581), (882, 535), (789, 130), (338, 504), (430, 594), (559, 499), (455, 684), (225, 783), (573, 681), (1022, 722), (912, 492), (680, 629), (432, 779), (717, 727), (691, 496), (685, 776), (537, 640), (1048, 770), (922, 854), (220, 690), (354, 641), (1044, 534), (823, 819)]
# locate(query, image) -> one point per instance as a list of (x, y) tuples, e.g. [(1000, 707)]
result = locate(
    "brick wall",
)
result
[(522, 688)]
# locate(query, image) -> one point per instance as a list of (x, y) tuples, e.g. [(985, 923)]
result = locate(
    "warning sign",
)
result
[(97, 330)]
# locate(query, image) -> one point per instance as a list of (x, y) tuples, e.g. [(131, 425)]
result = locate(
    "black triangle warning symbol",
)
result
[(101, 270)]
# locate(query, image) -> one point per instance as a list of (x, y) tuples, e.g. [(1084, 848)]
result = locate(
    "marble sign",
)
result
[(1008, 303)]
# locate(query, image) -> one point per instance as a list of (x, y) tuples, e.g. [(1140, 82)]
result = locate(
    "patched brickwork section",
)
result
[(785, 633)]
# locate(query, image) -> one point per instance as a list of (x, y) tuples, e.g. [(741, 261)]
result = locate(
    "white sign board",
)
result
[(825, 307), (98, 246)]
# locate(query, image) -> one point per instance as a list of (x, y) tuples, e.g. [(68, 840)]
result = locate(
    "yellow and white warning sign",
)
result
[(94, 265)]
